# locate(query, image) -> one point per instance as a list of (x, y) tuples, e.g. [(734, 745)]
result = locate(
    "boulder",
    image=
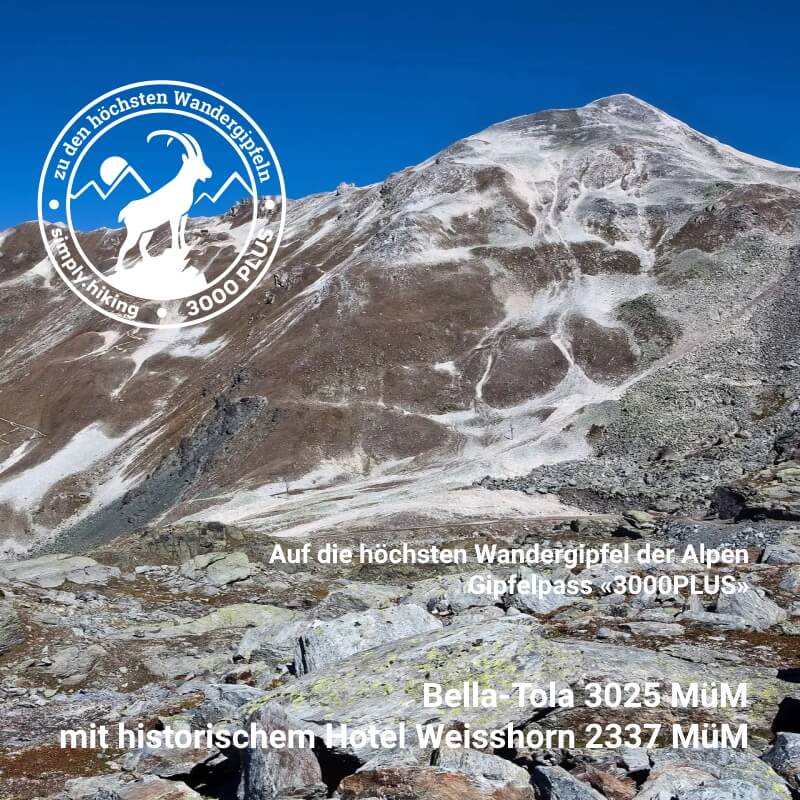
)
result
[(772, 492), (169, 666), (222, 703), (753, 606), (655, 628), (217, 569), (611, 786), (674, 782), (11, 631), (326, 642), (75, 661), (274, 642), (708, 774), (110, 787), (784, 758), (534, 604), (482, 765), (357, 596), (636, 524), (266, 772), (555, 783), (781, 554), (725, 622), (791, 581), (49, 572), (430, 783), (157, 789), (447, 594)]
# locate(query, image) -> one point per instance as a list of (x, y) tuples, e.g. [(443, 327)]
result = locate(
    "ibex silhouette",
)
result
[(170, 203)]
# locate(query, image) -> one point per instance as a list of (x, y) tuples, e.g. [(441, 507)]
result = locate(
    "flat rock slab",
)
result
[(326, 642), (239, 615), (113, 788), (49, 572), (431, 783), (384, 686), (217, 569)]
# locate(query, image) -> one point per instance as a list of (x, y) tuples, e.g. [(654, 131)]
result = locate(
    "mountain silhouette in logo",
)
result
[(104, 194), (232, 179)]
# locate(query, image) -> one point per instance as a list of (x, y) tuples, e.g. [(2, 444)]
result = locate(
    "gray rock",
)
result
[(49, 572), (267, 771), (635, 759), (357, 597), (725, 622), (784, 758), (636, 524), (329, 641), (222, 703), (707, 774), (781, 554), (383, 686), (447, 595), (73, 661), (479, 614), (791, 581), (753, 606), (239, 615), (534, 604), (555, 783), (655, 628), (109, 787), (773, 492), (165, 665), (398, 757), (11, 631), (217, 569), (273, 642), (426, 783), (673, 782), (482, 765), (166, 762)]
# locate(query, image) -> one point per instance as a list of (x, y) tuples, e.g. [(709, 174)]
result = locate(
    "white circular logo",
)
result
[(161, 204)]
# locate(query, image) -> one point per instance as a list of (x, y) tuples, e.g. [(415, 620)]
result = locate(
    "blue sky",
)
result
[(354, 91)]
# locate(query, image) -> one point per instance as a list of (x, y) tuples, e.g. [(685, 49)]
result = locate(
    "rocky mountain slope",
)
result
[(574, 329), (601, 284)]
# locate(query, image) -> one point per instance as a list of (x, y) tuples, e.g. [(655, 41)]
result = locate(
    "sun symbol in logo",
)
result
[(111, 169)]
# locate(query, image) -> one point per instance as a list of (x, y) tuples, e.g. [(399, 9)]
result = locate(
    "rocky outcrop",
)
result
[(49, 572), (327, 642), (753, 606), (382, 686), (217, 569), (772, 492)]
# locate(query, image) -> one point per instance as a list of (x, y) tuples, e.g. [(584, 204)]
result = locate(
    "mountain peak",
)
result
[(621, 100), (629, 107)]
